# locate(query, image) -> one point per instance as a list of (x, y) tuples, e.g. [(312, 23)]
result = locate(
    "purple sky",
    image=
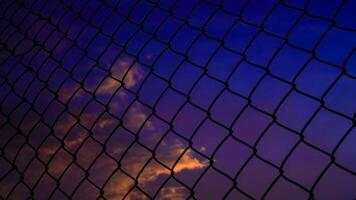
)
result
[(177, 99)]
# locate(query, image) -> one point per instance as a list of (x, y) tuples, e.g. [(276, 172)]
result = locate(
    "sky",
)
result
[(182, 99)]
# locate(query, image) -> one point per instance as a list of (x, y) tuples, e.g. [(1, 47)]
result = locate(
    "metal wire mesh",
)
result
[(177, 99)]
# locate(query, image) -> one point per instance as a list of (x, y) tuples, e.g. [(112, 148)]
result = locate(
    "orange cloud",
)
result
[(106, 122), (173, 193), (108, 86), (127, 72), (120, 184), (134, 75), (136, 118), (71, 144), (189, 162), (117, 188)]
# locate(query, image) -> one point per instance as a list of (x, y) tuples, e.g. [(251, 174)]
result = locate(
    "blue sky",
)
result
[(177, 99)]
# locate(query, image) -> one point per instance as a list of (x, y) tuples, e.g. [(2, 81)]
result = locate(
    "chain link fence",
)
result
[(177, 99)]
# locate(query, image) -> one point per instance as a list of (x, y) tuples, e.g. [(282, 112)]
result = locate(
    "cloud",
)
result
[(153, 171), (119, 184), (108, 86), (133, 76), (124, 71), (189, 162), (166, 193), (71, 144), (127, 71), (136, 117), (105, 123), (172, 192)]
